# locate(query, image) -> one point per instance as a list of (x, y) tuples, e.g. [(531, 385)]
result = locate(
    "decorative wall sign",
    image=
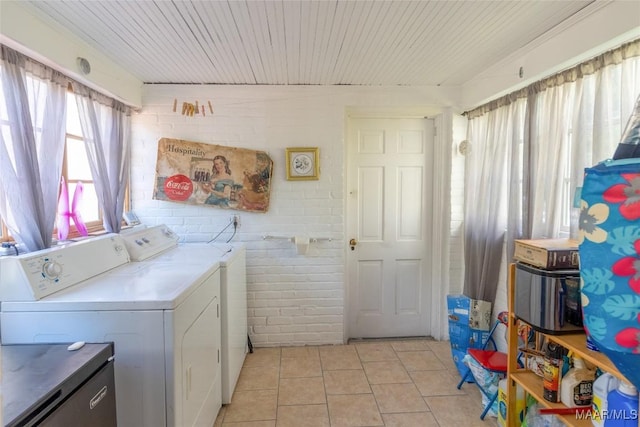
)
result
[(302, 163), (213, 175)]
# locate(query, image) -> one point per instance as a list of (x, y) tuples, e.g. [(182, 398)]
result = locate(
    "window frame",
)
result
[(93, 227)]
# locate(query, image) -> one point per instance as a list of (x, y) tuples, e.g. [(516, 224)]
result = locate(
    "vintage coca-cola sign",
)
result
[(212, 175), (178, 187)]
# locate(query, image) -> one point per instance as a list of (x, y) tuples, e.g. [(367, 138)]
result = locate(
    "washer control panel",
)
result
[(147, 242), (37, 274)]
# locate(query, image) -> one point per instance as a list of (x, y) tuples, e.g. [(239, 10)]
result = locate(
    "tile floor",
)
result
[(410, 383)]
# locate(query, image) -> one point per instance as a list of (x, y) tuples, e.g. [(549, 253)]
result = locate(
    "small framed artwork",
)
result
[(302, 163)]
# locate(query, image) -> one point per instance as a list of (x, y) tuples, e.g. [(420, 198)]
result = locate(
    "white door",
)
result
[(389, 179)]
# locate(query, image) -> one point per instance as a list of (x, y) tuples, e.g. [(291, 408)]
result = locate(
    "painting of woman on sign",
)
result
[(213, 175), (220, 185)]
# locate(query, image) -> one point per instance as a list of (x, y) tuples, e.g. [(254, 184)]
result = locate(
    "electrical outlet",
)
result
[(236, 219)]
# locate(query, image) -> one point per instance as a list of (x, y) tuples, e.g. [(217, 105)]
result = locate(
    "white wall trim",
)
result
[(441, 223), (345, 192)]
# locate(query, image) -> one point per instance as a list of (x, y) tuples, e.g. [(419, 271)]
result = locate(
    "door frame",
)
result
[(441, 218)]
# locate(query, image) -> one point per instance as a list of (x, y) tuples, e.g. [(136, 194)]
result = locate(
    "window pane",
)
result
[(38, 93), (77, 163), (6, 134), (73, 118), (89, 205)]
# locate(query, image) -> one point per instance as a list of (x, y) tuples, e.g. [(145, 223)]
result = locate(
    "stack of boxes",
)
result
[(469, 325)]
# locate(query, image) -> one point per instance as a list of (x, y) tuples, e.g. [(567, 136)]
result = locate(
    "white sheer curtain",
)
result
[(549, 132), (33, 119), (105, 127), (576, 124), (549, 153), (495, 139), (606, 103)]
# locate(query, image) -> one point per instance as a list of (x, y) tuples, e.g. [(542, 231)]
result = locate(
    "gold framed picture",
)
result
[(302, 163)]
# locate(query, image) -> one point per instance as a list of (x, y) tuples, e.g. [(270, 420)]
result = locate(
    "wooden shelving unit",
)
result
[(531, 382), (578, 344)]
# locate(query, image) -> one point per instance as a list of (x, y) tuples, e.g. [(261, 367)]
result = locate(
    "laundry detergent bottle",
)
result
[(622, 410), (602, 386)]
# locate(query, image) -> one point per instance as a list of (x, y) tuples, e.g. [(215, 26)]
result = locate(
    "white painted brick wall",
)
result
[(293, 299)]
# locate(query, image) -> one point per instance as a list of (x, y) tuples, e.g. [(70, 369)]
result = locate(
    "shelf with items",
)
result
[(531, 382), (578, 344)]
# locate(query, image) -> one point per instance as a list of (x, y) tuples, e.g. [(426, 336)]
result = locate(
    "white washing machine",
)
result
[(233, 289), (163, 320)]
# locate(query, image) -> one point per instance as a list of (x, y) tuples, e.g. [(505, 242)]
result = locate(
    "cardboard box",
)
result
[(463, 337), (459, 336), (549, 254), (477, 339), (472, 312), (466, 317)]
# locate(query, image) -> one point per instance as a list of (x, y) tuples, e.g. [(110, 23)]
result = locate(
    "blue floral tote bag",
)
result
[(609, 237)]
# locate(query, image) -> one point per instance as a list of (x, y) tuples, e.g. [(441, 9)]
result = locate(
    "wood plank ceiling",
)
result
[(337, 42)]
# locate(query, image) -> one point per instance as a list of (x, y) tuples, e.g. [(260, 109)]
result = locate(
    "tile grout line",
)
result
[(371, 388), (278, 387), (360, 367)]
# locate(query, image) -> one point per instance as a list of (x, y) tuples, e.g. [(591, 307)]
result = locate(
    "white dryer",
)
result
[(233, 289), (163, 320)]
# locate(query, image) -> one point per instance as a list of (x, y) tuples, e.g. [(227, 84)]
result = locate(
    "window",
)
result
[(75, 169), (4, 128), (568, 190)]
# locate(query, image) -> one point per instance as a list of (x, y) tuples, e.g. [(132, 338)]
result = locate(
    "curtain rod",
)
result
[(71, 83), (614, 56)]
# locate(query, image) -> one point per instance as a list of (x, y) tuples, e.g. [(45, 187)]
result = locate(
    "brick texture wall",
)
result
[(293, 299)]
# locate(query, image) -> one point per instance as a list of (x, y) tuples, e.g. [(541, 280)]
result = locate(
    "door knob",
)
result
[(353, 243)]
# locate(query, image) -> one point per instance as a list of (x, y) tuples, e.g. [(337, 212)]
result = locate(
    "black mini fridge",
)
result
[(49, 385)]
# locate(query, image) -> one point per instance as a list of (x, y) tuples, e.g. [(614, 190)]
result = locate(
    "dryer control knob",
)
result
[(51, 269)]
